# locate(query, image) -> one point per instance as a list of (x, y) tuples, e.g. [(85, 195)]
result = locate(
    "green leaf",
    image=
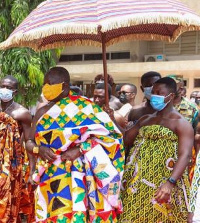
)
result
[(26, 65)]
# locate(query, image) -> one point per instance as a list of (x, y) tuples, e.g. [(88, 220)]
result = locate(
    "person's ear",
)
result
[(66, 85), (133, 95), (15, 92), (172, 96)]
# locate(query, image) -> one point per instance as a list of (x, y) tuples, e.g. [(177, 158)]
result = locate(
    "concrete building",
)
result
[(128, 60)]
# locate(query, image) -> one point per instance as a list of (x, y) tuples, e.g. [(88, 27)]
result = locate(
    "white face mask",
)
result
[(6, 94), (99, 81)]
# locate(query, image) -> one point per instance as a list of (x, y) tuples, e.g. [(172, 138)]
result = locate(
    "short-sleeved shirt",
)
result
[(189, 111)]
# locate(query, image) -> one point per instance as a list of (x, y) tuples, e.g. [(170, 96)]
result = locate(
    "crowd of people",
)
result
[(79, 160)]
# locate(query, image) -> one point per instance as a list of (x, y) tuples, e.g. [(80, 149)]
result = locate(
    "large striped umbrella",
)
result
[(58, 23)]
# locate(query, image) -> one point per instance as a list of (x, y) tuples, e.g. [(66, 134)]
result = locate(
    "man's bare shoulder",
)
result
[(20, 113), (137, 112), (178, 123), (20, 109), (180, 120)]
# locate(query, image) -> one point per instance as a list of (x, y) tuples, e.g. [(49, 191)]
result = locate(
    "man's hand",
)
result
[(46, 154), (109, 111), (163, 193), (31, 184), (71, 154)]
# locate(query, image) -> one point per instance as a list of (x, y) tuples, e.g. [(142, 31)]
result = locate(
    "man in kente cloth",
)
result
[(80, 156), (155, 182), (8, 90), (10, 169)]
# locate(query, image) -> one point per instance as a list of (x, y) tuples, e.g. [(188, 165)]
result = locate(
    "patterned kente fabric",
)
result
[(190, 112), (88, 190), (10, 169), (194, 193), (149, 165)]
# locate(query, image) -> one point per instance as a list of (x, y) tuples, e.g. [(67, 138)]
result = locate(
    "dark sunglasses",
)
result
[(124, 92)]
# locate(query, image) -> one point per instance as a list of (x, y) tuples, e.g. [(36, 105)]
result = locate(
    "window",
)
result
[(185, 83), (67, 58), (197, 82), (96, 56), (120, 55)]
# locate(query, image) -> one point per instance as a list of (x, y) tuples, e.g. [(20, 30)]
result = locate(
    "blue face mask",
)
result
[(158, 102), (6, 94), (147, 92)]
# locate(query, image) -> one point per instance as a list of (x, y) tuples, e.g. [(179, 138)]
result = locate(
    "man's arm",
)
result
[(130, 134), (44, 153), (25, 120), (131, 115), (185, 134)]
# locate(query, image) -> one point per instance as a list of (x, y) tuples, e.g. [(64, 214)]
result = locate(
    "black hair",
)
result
[(169, 83), (118, 87), (61, 72), (132, 86), (11, 78), (149, 74), (102, 86), (101, 77), (77, 90)]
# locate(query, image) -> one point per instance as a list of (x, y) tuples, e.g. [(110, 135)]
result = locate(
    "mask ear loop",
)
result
[(167, 97)]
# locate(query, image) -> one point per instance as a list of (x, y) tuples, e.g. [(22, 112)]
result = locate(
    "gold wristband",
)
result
[(35, 150)]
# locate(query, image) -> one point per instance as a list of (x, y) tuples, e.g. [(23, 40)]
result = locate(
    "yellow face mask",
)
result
[(51, 92)]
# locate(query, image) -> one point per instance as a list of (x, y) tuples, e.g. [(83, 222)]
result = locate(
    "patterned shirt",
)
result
[(189, 111)]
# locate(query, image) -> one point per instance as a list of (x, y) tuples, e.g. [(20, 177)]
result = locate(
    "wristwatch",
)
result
[(35, 150), (172, 180)]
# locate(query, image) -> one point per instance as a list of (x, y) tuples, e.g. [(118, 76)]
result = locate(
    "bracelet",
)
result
[(172, 180), (36, 150)]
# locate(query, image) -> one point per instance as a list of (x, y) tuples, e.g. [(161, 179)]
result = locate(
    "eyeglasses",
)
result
[(124, 92)]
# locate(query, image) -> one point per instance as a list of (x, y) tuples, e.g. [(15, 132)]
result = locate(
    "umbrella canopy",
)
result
[(58, 23)]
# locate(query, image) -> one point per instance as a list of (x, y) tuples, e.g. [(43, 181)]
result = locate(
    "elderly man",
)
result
[(80, 156)]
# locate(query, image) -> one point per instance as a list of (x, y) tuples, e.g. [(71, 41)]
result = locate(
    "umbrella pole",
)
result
[(103, 37)]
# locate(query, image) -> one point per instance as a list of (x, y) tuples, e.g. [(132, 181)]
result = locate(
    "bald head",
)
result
[(57, 75), (131, 88)]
